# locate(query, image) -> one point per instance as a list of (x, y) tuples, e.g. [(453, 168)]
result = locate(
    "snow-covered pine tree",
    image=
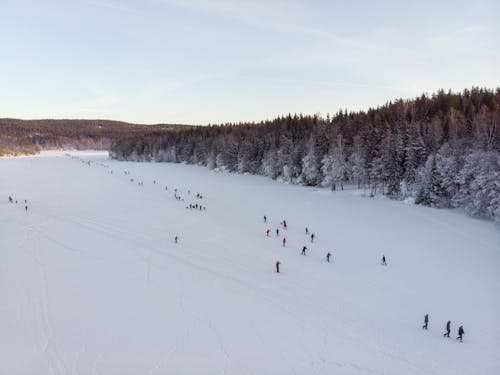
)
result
[(219, 161), (334, 166), (430, 190), (356, 164), (270, 166), (448, 167), (285, 164), (392, 162), (311, 175), (414, 153), (479, 184)]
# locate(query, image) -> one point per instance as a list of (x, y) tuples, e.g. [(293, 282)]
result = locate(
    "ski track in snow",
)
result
[(321, 334), (39, 302)]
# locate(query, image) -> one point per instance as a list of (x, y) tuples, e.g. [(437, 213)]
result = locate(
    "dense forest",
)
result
[(440, 150), (19, 137)]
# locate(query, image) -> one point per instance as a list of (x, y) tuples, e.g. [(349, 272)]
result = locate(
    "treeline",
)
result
[(440, 150), (30, 136)]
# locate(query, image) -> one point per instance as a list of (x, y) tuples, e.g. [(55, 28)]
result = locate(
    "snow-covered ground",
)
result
[(92, 282)]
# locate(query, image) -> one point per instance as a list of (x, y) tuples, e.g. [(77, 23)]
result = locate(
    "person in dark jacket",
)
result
[(303, 250), (460, 333), (265, 219), (328, 257), (312, 237), (384, 263), (278, 267), (447, 333), (277, 232), (426, 321)]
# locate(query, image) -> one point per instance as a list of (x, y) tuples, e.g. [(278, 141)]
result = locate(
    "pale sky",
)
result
[(215, 61)]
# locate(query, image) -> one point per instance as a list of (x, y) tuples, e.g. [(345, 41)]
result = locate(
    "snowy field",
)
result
[(92, 281)]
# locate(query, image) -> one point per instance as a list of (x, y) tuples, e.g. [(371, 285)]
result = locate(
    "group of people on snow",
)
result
[(196, 207), (304, 248), (461, 331), (284, 226), (14, 201)]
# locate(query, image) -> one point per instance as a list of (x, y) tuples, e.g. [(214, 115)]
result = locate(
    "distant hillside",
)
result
[(30, 136)]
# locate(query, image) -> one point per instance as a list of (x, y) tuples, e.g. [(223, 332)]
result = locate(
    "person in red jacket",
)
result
[(176, 239), (284, 241), (267, 232)]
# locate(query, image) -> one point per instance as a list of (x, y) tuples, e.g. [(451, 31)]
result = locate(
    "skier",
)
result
[(176, 239), (307, 230), (284, 241), (460, 333), (303, 250), (426, 321), (10, 199), (312, 237), (267, 232), (384, 263), (277, 232), (284, 224), (278, 267), (447, 333), (328, 257), (26, 208), (265, 219)]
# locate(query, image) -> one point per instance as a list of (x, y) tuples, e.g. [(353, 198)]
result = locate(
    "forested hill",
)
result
[(441, 150), (29, 136)]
